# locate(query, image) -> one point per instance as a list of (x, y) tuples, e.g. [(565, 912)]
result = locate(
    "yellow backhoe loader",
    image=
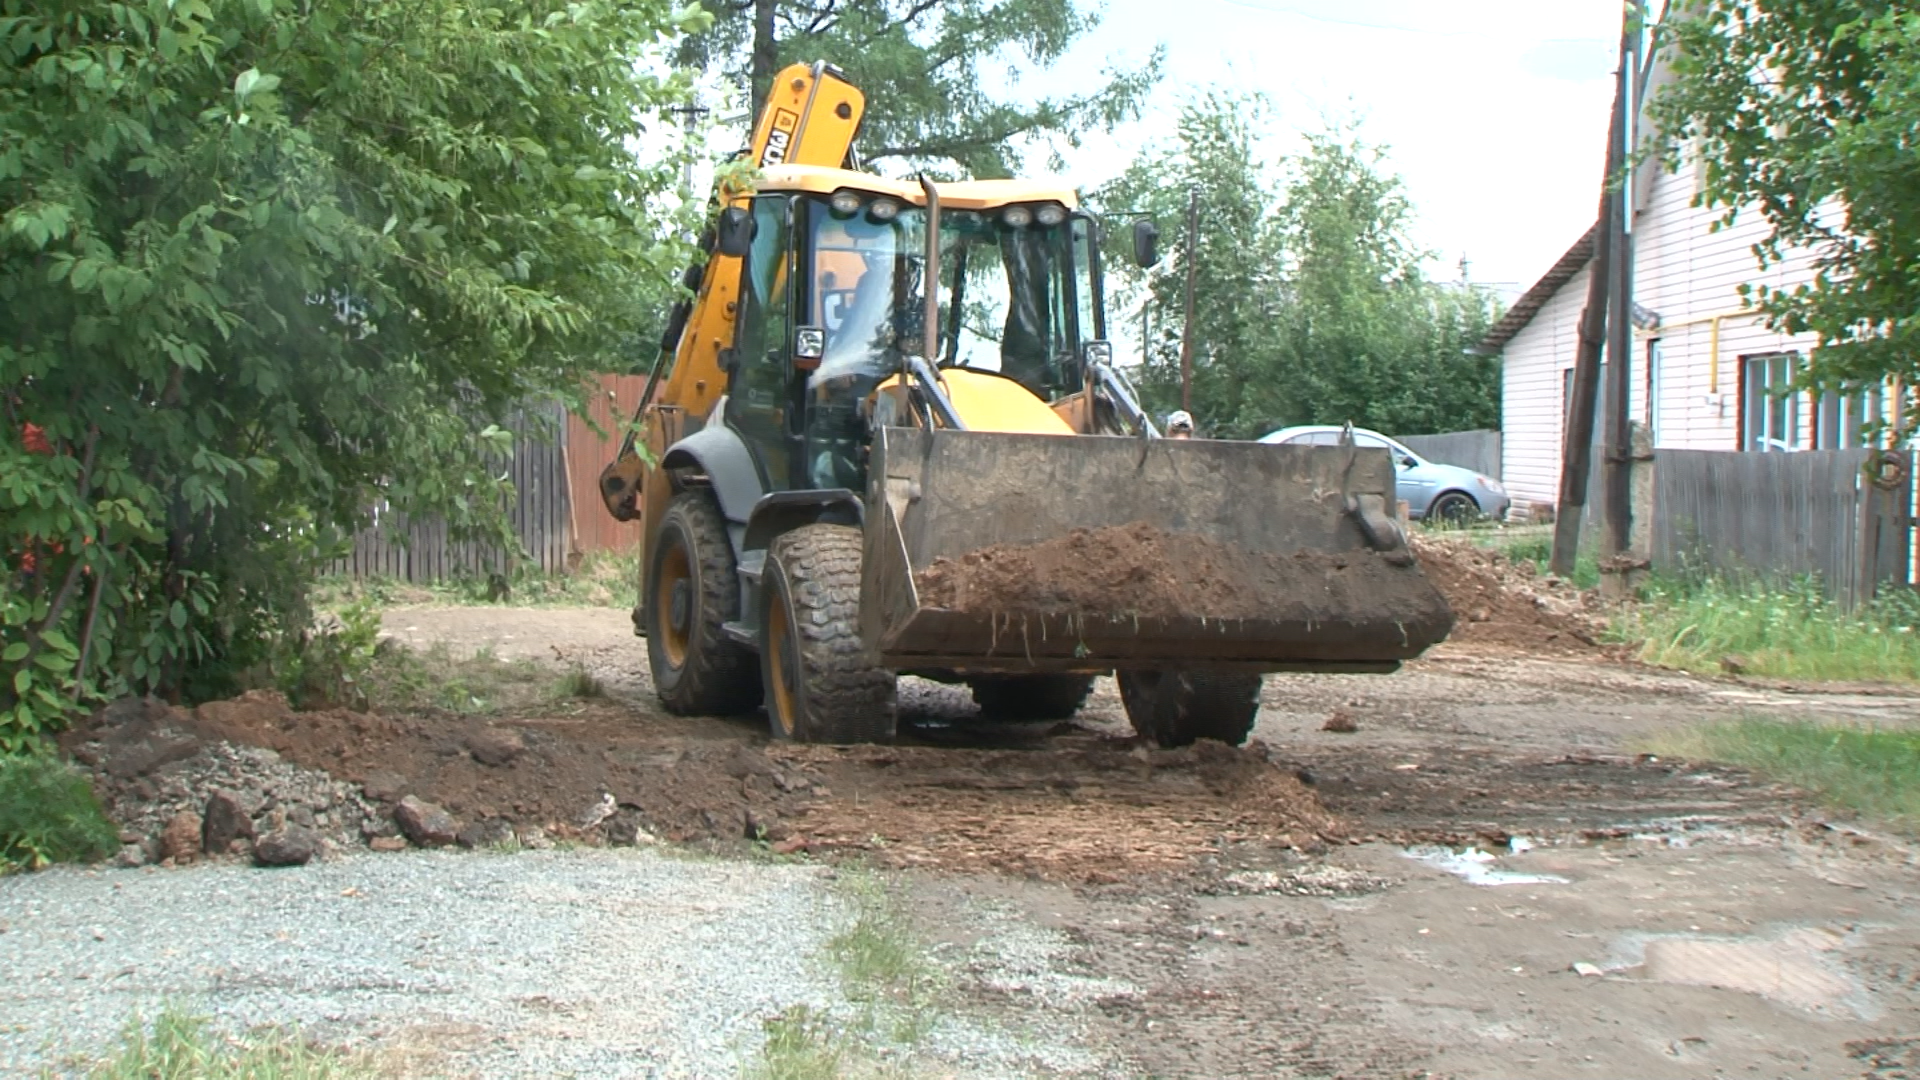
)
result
[(880, 388)]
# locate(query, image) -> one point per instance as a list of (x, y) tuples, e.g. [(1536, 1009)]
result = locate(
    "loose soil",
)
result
[(1147, 572), (1499, 603), (1223, 912)]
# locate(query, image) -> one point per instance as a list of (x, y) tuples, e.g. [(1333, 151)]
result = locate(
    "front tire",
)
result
[(1176, 708), (1454, 508), (1030, 698), (821, 683), (693, 590)]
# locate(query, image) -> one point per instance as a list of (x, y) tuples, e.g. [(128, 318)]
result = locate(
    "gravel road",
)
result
[(590, 963)]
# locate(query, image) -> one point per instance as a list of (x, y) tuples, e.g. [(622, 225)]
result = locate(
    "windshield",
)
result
[(1021, 292)]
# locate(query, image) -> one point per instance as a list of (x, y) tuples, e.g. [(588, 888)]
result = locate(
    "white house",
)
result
[(1702, 363)]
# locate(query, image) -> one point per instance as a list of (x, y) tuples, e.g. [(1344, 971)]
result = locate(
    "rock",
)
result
[(129, 709), (625, 829), (496, 747), (387, 843), (1585, 969), (484, 833), (1341, 721), (1733, 665), (138, 757), (131, 855), (746, 762), (225, 821), (533, 836), (253, 711), (383, 786), (1479, 615), (287, 847), (790, 845), (425, 824), (180, 840), (600, 811)]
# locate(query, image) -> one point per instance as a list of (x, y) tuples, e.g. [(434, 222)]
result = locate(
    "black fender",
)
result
[(783, 511), (718, 452)]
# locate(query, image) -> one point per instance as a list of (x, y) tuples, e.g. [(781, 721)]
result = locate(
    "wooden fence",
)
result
[(1783, 515), (423, 552), (1476, 450)]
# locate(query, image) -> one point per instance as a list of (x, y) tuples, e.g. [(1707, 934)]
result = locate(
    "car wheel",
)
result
[(1454, 508)]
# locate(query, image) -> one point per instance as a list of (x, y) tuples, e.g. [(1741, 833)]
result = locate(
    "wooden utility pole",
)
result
[(1186, 335), (1576, 454), (1618, 464)]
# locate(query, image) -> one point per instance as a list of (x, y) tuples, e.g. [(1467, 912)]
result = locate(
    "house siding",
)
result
[(1687, 272)]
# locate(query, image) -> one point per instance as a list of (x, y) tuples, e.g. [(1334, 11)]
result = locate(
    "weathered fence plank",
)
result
[(423, 552), (1476, 450), (1781, 515)]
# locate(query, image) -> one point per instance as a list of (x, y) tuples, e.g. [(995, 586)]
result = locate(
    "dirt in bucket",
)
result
[(1148, 572)]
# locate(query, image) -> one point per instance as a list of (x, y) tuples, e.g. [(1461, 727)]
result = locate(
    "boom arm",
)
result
[(811, 117)]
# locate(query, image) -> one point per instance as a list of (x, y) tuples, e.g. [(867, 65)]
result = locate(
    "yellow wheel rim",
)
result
[(674, 602), (780, 660)]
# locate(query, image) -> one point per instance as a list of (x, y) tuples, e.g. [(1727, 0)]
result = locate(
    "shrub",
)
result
[(48, 814)]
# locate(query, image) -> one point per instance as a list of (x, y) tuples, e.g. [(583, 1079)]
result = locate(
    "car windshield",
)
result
[(1019, 289)]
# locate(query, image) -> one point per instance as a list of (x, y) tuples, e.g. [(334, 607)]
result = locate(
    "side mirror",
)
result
[(1146, 243), (734, 233), (1407, 462)]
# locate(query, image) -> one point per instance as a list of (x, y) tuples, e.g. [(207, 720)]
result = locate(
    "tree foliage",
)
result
[(1805, 112), (1310, 304), (928, 70), (265, 262)]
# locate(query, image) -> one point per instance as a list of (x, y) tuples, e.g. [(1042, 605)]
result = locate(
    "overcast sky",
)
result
[(1494, 111)]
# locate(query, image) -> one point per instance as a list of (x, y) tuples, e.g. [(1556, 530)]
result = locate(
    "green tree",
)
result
[(928, 70), (1366, 337), (1310, 304), (1213, 159), (265, 262), (1822, 147)]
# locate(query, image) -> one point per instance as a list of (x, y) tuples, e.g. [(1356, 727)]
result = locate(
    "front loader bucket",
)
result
[(991, 552)]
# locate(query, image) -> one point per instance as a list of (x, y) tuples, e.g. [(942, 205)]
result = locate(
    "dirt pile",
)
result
[(1070, 806), (1143, 571), (348, 777), (178, 795), (1497, 602), (1083, 809)]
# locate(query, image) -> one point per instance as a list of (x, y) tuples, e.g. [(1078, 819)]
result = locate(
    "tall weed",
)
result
[(48, 814), (1784, 630)]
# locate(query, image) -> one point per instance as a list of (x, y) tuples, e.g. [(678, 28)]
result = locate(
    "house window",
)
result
[(1653, 390), (1842, 419), (1770, 417)]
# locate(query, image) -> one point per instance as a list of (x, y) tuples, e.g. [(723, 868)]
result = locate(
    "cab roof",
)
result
[(956, 195)]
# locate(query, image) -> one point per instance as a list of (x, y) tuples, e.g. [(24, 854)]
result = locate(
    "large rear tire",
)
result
[(1175, 708), (822, 685), (1029, 698), (693, 590)]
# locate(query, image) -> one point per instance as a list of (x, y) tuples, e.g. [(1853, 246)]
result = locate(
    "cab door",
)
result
[(760, 396)]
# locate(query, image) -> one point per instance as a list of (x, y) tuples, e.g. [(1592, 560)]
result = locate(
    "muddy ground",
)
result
[(1263, 915)]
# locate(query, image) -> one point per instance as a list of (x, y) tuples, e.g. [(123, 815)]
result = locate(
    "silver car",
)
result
[(1445, 492)]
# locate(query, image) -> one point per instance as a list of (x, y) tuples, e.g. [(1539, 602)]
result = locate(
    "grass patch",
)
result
[(885, 973), (401, 679), (48, 814), (1539, 551), (603, 579), (179, 1046), (1788, 631), (579, 684), (803, 1044), (1875, 772)]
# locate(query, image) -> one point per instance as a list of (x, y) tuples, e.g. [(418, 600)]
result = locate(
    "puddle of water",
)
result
[(1477, 867), (1796, 968)]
